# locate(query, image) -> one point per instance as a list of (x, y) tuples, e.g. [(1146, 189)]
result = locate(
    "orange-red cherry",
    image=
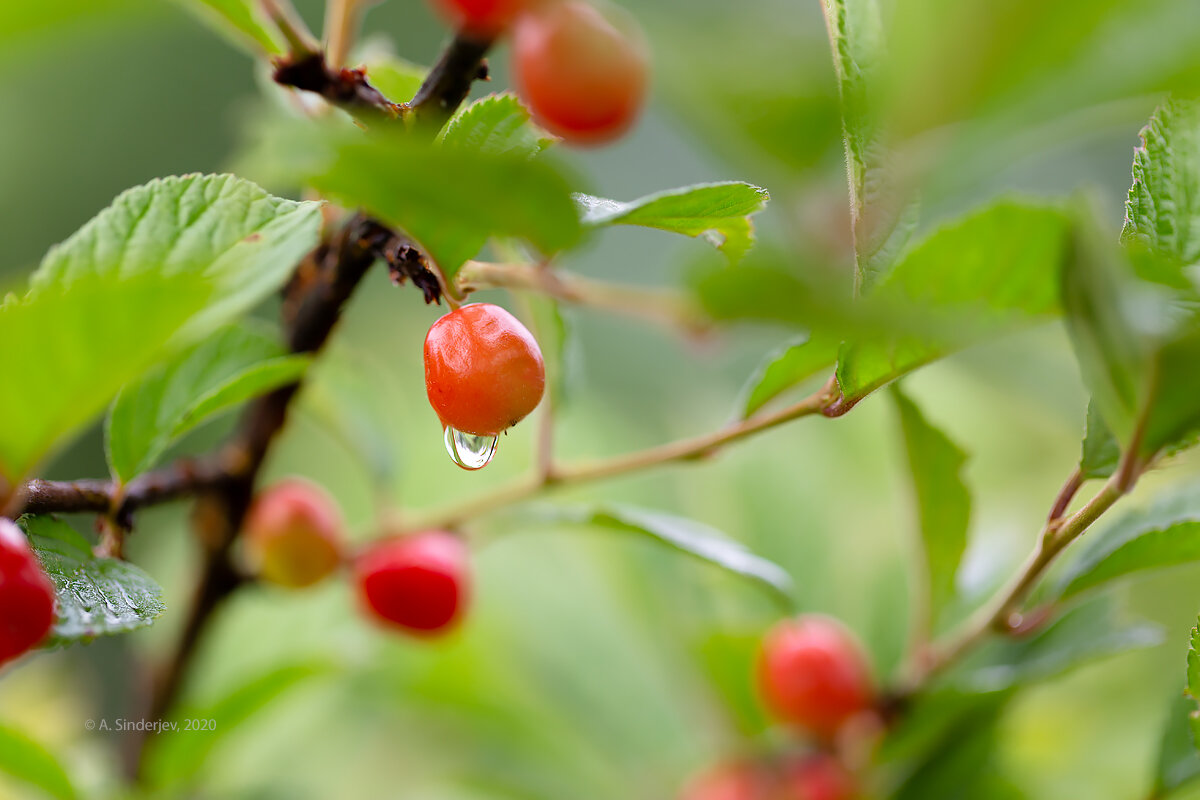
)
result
[(483, 370), (420, 584), (736, 780), (813, 674), (294, 534), (817, 777), (583, 78), (483, 18), (26, 595)]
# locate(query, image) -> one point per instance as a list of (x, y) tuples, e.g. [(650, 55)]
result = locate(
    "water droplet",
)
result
[(468, 450)]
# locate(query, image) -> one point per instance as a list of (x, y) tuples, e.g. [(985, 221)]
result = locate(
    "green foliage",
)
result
[(1163, 208), (235, 364), (29, 762), (1165, 534), (497, 124), (396, 78), (997, 268), (1178, 761), (720, 212), (451, 200), (943, 500), (94, 596), (785, 368), (1101, 452), (240, 21), (690, 537), (1193, 682)]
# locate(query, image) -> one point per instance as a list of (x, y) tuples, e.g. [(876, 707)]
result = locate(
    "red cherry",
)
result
[(818, 777), (486, 18), (732, 781), (813, 674), (582, 78), (483, 370), (417, 583), (294, 534), (26, 595)]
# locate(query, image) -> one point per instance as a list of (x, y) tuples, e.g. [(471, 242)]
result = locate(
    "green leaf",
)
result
[(720, 212), (1165, 534), (1178, 762), (450, 200), (1162, 211), (1193, 682), (27, 761), (1087, 633), (790, 365), (728, 661), (555, 338), (179, 756), (93, 596), (943, 501), (1101, 451), (997, 268), (395, 77), (243, 240), (240, 22), (72, 348), (687, 536), (496, 124), (230, 367)]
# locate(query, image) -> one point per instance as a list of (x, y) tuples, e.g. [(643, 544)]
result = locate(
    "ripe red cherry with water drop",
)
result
[(294, 534), (484, 371), (583, 78), (481, 18), (26, 595), (419, 584), (813, 674)]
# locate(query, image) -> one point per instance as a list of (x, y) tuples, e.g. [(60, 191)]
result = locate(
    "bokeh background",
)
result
[(596, 665)]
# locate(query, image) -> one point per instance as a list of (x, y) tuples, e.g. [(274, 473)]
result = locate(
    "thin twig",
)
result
[(449, 81), (341, 23)]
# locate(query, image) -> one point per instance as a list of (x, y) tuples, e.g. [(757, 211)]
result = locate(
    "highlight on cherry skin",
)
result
[(583, 77), (294, 534), (484, 373), (26, 595), (418, 584), (813, 674)]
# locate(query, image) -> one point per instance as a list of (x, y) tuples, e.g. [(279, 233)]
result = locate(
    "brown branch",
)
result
[(347, 89), (449, 82)]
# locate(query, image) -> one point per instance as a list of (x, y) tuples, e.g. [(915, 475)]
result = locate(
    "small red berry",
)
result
[(818, 777), (732, 781), (484, 18), (294, 534), (26, 595), (813, 674), (483, 370), (582, 78), (417, 583)]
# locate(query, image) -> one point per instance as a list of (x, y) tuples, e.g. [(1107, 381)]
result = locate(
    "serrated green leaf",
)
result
[(1178, 762), (496, 124), (943, 500), (687, 536), (786, 367), (1165, 534), (452, 201), (178, 757), (239, 21), (1162, 211), (93, 596), (998, 268), (232, 366), (29, 762), (1101, 452), (243, 240), (71, 348), (720, 212)]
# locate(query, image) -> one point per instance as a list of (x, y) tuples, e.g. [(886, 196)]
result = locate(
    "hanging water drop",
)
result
[(468, 450)]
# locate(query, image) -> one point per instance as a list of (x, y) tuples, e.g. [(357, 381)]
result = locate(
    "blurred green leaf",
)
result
[(395, 77), (1165, 534), (226, 369), (497, 124), (1178, 762), (556, 341), (240, 21), (451, 201), (943, 500), (1193, 682), (720, 212), (178, 756), (1089, 632), (687, 536), (29, 762), (93, 596), (729, 662), (1101, 451), (1163, 208), (999, 265), (785, 368)]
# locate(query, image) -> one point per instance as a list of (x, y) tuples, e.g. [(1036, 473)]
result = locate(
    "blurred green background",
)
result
[(596, 665)]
